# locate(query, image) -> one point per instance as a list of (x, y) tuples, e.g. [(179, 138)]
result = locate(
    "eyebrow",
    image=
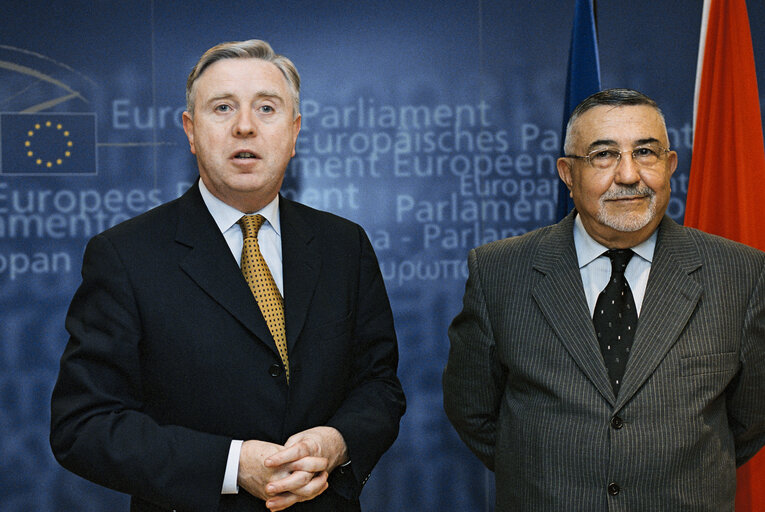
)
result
[(270, 95), (611, 142), (260, 94)]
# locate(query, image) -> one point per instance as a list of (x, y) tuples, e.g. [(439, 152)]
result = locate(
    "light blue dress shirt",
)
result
[(595, 268)]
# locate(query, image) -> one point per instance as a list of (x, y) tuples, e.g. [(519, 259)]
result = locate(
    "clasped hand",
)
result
[(297, 471)]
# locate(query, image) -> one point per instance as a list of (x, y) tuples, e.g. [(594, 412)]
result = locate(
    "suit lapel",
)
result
[(210, 264), (560, 296), (301, 261), (670, 299)]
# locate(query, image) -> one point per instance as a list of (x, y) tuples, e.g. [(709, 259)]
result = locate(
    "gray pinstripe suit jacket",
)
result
[(526, 388)]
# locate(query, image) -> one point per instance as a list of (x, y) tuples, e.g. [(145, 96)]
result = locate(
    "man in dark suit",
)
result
[(184, 387), (615, 360)]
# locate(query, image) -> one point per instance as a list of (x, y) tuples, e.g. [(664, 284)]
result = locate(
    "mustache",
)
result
[(621, 192)]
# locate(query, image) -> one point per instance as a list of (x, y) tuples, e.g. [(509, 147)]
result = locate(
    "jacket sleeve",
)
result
[(473, 378), (98, 429), (746, 398), (369, 416)]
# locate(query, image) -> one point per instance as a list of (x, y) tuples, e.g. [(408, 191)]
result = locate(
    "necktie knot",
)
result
[(250, 225), (619, 259)]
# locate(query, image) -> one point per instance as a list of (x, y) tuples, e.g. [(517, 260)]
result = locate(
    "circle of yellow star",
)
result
[(50, 150)]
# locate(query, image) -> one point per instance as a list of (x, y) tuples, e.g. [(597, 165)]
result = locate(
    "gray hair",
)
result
[(612, 97), (251, 49)]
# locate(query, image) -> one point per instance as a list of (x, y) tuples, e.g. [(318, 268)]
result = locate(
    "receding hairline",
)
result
[(613, 98)]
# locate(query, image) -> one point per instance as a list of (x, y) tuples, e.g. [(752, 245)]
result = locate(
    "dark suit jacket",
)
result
[(169, 358), (527, 390)]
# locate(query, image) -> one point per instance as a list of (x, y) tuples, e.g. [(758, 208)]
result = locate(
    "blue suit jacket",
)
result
[(169, 357)]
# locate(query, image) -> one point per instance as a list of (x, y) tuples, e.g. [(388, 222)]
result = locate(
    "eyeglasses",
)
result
[(608, 158)]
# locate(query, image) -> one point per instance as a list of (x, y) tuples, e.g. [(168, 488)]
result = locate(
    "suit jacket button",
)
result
[(275, 370), (617, 423), (613, 489)]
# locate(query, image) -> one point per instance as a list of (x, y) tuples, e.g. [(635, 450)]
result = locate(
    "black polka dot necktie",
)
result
[(262, 285), (615, 318)]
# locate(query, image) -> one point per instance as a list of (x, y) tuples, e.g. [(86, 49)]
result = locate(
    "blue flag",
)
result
[(582, 80), (49, 144)]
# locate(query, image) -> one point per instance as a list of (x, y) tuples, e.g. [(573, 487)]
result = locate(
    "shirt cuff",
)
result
[(232, 469)]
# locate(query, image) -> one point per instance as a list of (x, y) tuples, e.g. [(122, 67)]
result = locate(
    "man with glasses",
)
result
[(615, 360)]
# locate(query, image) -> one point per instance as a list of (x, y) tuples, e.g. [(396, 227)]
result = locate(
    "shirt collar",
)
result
[(225, 215), (588, 250)]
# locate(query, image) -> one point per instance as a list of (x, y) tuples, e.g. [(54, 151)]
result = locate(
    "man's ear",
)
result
[(188, 127), (296, 124), (564, 171)]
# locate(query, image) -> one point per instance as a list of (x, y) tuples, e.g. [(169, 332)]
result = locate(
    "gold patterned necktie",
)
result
[(262, 284)]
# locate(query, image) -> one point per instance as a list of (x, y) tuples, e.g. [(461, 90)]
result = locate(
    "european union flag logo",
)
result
[(47, 144)]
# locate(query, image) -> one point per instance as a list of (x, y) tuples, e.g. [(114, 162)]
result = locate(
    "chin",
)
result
[(626, 223), (245, 183)]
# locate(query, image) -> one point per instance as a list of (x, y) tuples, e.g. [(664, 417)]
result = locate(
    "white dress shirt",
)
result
[(270, 242), (269, 235), (595, 268)]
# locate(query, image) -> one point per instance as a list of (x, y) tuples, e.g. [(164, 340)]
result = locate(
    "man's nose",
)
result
[(627, 170), (245, 124)]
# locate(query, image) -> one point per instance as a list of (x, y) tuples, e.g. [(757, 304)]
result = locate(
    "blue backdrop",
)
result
[(433, 124)]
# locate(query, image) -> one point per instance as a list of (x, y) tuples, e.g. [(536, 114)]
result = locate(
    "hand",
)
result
[(308, 457), (303, 485), (253, 473), (324, 442)]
